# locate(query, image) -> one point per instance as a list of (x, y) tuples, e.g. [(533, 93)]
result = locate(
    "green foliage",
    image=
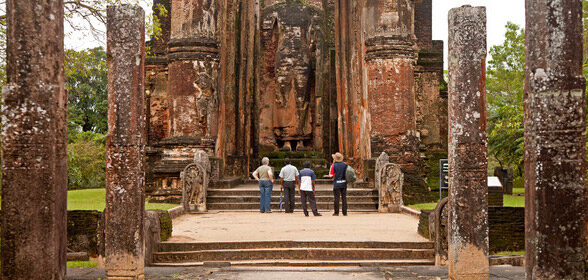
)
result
[(505, 83), (86, 161), (86, 81), (154, 28)]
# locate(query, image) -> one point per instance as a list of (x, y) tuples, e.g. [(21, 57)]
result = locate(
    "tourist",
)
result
[(307, 186), (288, 181), (265, 176), (337, 172)]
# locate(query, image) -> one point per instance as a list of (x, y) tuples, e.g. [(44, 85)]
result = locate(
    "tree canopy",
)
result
[(86, 82), (504, 85)]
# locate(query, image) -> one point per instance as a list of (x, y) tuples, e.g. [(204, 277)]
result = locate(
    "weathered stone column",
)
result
[(353, 122), (34, 129), (390, 57), (125, 186), (468, 145), (193, 68), (555, 153)]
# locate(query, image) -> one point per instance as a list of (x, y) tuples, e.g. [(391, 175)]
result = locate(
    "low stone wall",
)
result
[(423, 228), (84, 232), (82, 228), (165, 223), (495, 197), (506, 228)]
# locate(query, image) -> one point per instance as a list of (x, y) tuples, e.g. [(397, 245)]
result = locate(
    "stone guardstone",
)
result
[(195, 179)]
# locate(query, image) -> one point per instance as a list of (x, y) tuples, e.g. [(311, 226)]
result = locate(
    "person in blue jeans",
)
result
[(265, 176)]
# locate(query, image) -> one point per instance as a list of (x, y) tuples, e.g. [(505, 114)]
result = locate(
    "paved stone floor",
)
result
[(285, 273), (278, 226)]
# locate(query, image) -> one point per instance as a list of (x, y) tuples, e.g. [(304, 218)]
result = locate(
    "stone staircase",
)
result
[(246, 197), (295, 253)]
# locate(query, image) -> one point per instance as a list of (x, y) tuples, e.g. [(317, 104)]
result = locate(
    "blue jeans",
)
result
[(265, 189)]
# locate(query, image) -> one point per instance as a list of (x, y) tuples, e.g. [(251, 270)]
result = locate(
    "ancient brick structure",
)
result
[(34, 129), (468, 145), (555, 151), (125, 185), (244, 78), (390, 54)]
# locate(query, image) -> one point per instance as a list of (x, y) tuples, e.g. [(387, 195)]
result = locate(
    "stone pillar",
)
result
[(193, 68), (125, 186), (555, 153), (34, 129), (468, 145), (390, 57)]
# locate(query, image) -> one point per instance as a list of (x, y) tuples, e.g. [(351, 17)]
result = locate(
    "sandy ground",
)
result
[(254, 226)]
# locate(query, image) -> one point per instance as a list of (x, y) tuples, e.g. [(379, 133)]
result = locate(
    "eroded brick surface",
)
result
[(291, 38), (555, 153), (125, 185), (34, 129), (390, 59), (468, 145), (298, 74), (193, 68)]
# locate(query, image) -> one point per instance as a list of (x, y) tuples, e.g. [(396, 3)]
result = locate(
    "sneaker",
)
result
[(306, 214), (261, 212), (335, 214), (317, 214), (269, 212)]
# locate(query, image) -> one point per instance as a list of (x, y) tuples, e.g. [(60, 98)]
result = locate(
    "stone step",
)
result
[(276, 198), (254, 191), (280, 155), (172, 199), (226, 183), (277, 182), (331, 254), (199, 246), (275, 205), (276, 190), (304, 263), (299, 163)]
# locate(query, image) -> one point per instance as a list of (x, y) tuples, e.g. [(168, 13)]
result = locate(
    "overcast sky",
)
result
[(499, 12)]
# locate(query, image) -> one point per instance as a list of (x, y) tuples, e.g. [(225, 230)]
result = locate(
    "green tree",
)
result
[(86, 82), (504, 85), (86, 161)]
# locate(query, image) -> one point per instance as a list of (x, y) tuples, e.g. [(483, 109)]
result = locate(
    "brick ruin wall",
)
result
[(247, 128), (506, 228)]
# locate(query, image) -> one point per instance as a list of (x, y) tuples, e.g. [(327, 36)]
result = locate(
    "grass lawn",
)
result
[(95, 199), (514, 201), (518, 190), (509, 201), (507, 253), (421, 206), (81, 264)]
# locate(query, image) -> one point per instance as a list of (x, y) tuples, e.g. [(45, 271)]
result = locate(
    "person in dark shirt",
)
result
[(337, 172)]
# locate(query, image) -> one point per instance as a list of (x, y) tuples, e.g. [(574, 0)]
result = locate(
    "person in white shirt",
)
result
[(307, 187), (289, 180)]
